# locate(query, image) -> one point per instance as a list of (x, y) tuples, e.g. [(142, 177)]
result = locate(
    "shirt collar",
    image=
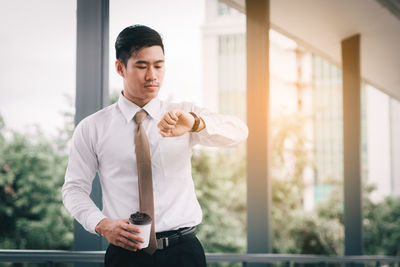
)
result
[(129, 109)]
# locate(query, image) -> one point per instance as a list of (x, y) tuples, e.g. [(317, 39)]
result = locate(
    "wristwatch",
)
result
[(196, 122)]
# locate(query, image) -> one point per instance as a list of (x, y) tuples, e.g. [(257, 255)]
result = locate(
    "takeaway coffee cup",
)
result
[(143, 221)]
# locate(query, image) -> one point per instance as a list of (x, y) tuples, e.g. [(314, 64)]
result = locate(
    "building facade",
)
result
[(302, 82)]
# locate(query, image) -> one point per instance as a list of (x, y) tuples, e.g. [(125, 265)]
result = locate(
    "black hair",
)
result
[(134, 38)]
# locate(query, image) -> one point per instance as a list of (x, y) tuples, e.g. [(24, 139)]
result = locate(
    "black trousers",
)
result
[(188, 253)]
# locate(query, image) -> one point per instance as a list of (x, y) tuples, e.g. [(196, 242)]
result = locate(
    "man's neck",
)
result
[(137, 101)]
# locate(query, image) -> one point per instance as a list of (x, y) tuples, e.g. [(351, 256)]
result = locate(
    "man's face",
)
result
[(143, 74)]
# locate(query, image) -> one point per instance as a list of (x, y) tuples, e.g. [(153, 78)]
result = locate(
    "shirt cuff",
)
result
[(92, 220), (208, 126)]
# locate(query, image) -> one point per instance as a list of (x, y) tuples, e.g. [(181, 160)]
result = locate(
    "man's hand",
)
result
[(175, 123), (120, 233)]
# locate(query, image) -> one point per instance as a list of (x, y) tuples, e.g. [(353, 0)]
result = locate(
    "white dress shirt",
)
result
[(104, 143)]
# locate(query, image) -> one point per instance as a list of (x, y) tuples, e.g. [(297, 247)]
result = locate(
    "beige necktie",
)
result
[(145, 182)]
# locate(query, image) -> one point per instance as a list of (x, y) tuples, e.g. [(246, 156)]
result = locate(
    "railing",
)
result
[(56, 256)]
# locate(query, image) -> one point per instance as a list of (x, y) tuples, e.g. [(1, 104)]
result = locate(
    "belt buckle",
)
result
[(162, 242)]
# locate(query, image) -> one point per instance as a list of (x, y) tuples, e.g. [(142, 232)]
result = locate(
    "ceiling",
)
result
[(321, 25)]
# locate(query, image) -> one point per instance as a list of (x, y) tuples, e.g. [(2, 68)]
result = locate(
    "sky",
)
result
[(38, 54)]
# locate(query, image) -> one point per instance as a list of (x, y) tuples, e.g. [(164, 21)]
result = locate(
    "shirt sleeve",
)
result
[(220, 131), (81, 170)]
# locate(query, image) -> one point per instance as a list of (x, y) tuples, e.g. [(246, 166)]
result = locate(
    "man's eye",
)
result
[(141, 67), (158, 66)]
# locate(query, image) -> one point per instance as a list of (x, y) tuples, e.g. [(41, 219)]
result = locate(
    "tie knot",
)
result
[(140, 116)]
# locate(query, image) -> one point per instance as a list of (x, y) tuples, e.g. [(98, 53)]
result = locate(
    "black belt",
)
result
[(170, 238)]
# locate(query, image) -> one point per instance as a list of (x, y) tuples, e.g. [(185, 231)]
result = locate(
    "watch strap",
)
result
[(196, 122)]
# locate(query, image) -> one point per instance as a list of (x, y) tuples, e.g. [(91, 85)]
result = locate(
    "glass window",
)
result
[(37, 90), (380, 158), (378, 142), (223, 9), (395, 145), (328, 127)]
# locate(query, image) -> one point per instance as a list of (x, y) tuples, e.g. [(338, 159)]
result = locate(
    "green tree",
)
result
[(31, 175), (114, 97), (221, 190), (382, 227)]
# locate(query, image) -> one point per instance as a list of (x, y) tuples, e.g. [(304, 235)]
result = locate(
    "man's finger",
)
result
[(128, 244), (173, 115), (131, 228), (135, 238), (132, 243), (177, 113), (169, 119), (165, 126), (132, 237)]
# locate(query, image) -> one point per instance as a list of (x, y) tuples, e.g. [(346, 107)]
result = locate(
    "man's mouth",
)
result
[(151, 86)]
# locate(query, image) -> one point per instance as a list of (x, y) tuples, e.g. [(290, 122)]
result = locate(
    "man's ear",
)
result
[(120, 67)]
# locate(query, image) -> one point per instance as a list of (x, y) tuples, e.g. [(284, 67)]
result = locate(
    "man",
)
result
[(141, 148)]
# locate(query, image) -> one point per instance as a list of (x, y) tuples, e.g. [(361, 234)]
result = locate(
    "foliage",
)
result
[(289, 152), (220, 183), (31, 175), (382, 227), (310, 234), (221, 190), (114, 97)]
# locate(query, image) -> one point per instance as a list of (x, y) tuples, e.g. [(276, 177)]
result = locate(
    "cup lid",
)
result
[(139, 218)]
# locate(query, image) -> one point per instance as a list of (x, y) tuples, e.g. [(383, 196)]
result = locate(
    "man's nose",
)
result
[(151, 74)]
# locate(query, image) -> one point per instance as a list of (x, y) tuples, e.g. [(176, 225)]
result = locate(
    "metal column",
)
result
[(258, 152), (352, 145), (91, 90)]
